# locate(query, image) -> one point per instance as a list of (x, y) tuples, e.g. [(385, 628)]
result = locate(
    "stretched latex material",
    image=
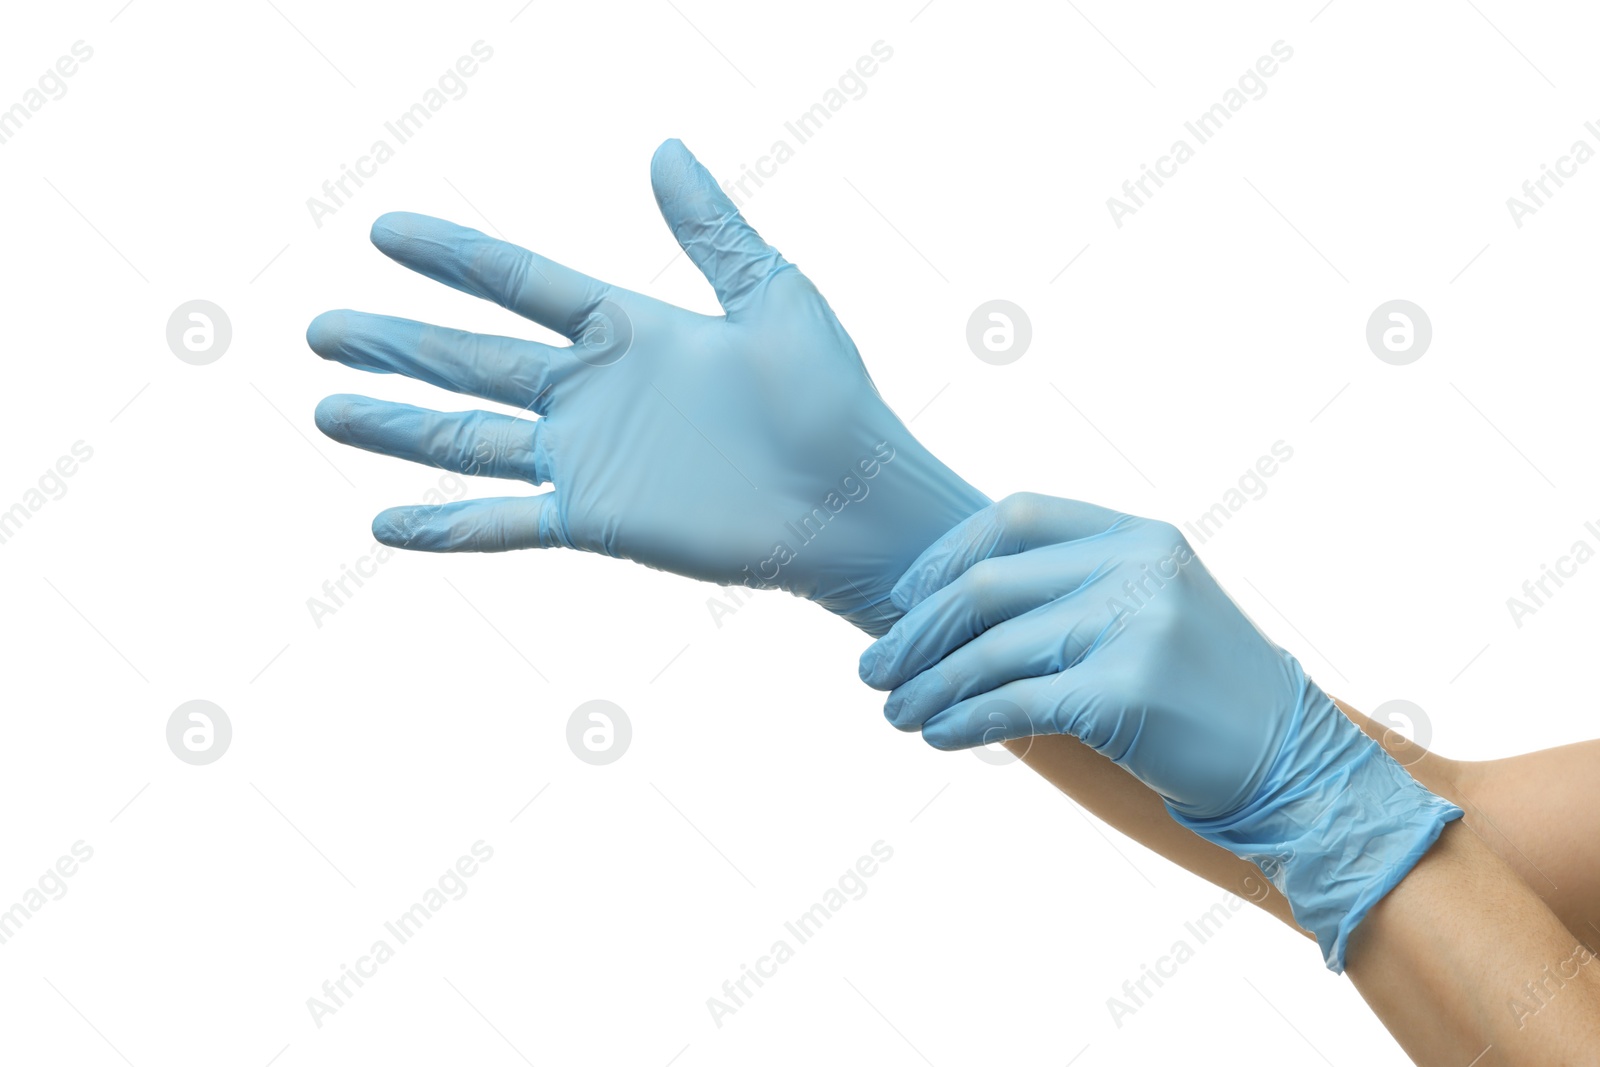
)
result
[(1040, 616), (746, 448)]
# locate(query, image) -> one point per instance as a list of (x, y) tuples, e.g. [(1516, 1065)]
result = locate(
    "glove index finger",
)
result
[(1061, 703), (991, 592), (1019, 522)]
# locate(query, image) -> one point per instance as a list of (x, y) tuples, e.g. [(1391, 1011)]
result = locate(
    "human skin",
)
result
[(1485, 953), (1534, 811), (692, 204), (1125, 804), (1464, 964), (1520, 806)]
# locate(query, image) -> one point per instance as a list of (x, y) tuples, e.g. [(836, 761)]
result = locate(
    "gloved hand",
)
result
[(749, 448), (1040, 616)]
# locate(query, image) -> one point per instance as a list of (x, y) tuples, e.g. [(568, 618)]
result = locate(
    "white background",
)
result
[(369, 753)]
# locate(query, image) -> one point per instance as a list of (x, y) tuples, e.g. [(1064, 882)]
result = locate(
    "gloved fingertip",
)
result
[(390, 528), (391, 225), (325, 332), (333, 414), (670, 160), (943, 739), (667, 149), (894, 709), (870, 663), (941, 562), (905, 594), (891, 712), (685, 190)]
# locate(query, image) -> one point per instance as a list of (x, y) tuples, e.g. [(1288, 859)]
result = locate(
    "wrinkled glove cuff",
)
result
[(1336, 836)]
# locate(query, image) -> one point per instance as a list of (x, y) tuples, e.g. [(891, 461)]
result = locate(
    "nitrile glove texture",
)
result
[(745, 448), (1046, 616)]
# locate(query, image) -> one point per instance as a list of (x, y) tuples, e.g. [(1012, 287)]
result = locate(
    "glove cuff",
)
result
[(1336, 834), (874, 618)]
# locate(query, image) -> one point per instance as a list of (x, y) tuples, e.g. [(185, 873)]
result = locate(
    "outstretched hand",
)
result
[(748, 448)]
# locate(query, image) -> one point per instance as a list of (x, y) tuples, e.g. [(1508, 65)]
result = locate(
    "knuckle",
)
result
[(983, 584), (1167, 620), (1165, 533), (1158, 538), (1019, 512), (502, 263)]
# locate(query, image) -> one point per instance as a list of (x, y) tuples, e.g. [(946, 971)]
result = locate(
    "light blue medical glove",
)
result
[(1047, 616), (745, 448)]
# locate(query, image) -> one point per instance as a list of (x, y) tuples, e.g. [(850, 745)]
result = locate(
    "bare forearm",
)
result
[(1535, 811), (1463, 963), (1491, 931), (1523, 808), (1125, 804), (1538, 812)]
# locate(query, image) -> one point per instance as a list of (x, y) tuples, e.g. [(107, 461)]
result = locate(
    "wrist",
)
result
[(914, 500), (1339, 825), (1384, 822)]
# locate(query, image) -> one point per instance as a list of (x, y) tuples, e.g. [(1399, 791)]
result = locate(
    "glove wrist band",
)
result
[(1337, 837)]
